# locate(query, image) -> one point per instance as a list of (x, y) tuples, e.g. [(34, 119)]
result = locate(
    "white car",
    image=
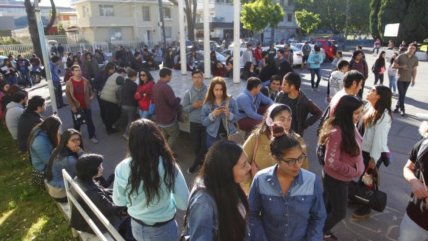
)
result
[(297, 53), (299, 46)]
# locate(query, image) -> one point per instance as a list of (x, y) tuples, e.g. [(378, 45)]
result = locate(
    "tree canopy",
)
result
[(307, 21)]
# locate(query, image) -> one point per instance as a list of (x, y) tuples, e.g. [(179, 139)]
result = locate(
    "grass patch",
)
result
[(26, 212)]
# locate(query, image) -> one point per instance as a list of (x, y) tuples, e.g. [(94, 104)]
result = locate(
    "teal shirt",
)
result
[(161, 209)]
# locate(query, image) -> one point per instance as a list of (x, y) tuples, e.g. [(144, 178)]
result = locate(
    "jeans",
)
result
[(402, 90), (144, 114), (131, 113), (313, 73), (410, 231), (171, 134), (393, 83), (89, 123), (211, 140), (336, 200), (166, 232), (25, 77), (11, 79), (198, 136), (378, 77)]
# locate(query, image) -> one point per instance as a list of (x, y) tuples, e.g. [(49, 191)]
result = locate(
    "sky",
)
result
[(62, 3)]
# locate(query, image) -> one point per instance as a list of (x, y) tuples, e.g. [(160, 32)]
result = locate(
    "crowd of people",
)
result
[(260, 191)]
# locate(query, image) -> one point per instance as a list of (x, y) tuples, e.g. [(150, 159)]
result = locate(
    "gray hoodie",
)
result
[(13, 112), (191, 96)]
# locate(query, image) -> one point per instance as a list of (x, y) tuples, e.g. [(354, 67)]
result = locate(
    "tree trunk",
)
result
[(262, 37), (53, 17), (32, 28), (272, 35)]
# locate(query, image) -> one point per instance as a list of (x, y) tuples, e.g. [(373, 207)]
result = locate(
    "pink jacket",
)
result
[(339, 164)]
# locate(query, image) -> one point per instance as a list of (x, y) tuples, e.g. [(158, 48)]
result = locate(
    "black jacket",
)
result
[(26, 123), (128, 90), (102, 199), (303, 108)]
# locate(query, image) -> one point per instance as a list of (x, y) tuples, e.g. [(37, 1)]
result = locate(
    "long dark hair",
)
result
[(62, 150), (282, 143), (382, 104), (148, 74), (218, 178), (87, 166), (51, 126), (147, 146), (343, 118)]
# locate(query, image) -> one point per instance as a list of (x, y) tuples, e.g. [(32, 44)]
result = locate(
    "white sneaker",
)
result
[(125, 136), (94, 140)]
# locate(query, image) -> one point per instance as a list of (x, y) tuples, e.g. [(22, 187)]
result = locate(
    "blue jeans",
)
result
[(313, 73), (393, 83), (410, 231), (211, 140), (167, 232), (144, 114), (402, 90)]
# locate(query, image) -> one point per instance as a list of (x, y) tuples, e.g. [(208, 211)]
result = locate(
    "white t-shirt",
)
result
[(336, 82)]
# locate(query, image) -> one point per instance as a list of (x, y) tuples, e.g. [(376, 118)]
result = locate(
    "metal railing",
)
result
[(69, 183)]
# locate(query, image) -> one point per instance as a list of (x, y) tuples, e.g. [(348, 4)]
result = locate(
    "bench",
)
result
[(111, 234)]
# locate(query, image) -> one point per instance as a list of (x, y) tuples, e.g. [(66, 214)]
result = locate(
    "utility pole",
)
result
[(43, 44), (162, 23)]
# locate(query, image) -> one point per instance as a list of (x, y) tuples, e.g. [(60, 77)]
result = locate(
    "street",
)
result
[(403, 135)]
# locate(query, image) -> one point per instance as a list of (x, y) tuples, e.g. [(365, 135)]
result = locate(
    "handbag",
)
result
[(254, 167), (151, 108), (38, 178), (79, 117), (367, 192), (320, 150)]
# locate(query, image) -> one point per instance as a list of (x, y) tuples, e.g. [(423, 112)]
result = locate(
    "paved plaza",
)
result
[(403, 135)]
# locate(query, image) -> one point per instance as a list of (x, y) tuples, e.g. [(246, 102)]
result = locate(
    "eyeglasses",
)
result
[(75, 140), (143, 75), (298, 160)]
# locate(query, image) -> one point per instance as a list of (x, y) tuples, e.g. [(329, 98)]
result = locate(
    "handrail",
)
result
[(69, 181)]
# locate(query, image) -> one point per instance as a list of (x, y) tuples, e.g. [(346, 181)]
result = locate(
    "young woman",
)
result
[(65, 157), (279, 208), (343, 158), (377, 123), (257, 145), (379, 68), (359, 63), (218, 206), (150, 184), (392, 74), (144, 93), (248, 71), (89, 167), (219, 112), (42, 140)]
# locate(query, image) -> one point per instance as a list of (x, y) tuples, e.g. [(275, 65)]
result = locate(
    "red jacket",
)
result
[(144, 95), (258, 54)]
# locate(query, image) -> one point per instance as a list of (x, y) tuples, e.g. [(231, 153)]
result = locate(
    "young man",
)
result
[(29, 119), (166, 107), (251, 105), (306, 49), (127, 101), (54, 63), (406, 64), (272, 90), (248, 55), (315, 60), (335, 83), (192, 103), (414, 226), (22, 66), (14, 110), (300, 105), (352, 84), (79, 95)]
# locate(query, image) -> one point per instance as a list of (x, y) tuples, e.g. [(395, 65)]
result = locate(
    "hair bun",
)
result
[(277, 130)]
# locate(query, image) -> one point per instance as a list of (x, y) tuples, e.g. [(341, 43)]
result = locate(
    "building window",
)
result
[(168, 32), (106, 10), (167, 13), (290, 17), (115, 34), (146, 14)]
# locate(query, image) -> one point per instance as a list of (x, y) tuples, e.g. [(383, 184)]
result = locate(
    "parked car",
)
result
[(199, 63), (299, 46), (229, 52), (329, 46), (297, 53)]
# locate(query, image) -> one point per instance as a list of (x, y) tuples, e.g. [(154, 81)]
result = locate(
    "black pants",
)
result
[(111, 113), (378, 77), (198, 136), (89, 123), (402, 90), (58, 93), (336, 199)]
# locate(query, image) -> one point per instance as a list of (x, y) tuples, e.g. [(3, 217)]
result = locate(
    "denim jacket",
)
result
[(202, 223), (67, 162), (296, 216), (213, 123), (40, 150)]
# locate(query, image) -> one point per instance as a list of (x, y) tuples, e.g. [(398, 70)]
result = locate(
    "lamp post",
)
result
[(43, 44), (183, 59), (236, 41), (207, 60), (162, 23)]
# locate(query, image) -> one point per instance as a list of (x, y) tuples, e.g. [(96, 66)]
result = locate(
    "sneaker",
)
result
[(94, 140), (402, 113), (396, 110), (362, 213), (126, 137), (330, 237)]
